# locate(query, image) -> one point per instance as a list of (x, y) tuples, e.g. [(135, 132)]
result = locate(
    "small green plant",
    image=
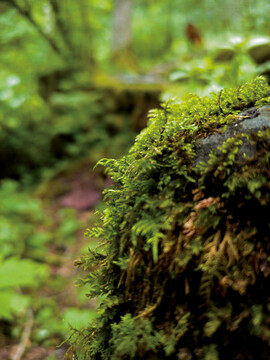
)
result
[(20, 216), (15, 274), (27, 232), (182, 266), (225, 65), (21, 246)]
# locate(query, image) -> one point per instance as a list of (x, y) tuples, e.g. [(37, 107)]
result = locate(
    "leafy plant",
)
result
[(29, 239), (19, 217), (210, 73), (14, 274)]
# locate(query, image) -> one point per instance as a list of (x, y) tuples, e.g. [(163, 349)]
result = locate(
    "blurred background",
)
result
[(77, 79)]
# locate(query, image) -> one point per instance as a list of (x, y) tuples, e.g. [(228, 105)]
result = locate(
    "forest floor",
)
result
[(80, 191)]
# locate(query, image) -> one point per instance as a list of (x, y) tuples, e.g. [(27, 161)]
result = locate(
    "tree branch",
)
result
[(28, 16), (61, 25), (25, 336)]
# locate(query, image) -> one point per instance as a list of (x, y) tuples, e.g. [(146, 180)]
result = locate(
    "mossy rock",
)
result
[(224, 54), (259, 49), (183, 267)]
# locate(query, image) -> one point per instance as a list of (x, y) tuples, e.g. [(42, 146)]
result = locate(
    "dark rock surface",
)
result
[(259, 50), (247, 122), (224, 54)]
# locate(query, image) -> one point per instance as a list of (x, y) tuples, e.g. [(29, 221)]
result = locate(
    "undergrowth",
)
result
[(182, 268), (31, 261)]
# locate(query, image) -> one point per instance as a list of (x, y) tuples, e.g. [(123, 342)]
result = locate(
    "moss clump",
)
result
[(183, 267)]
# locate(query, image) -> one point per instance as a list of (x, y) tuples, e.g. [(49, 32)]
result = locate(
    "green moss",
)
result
[(183, 265)]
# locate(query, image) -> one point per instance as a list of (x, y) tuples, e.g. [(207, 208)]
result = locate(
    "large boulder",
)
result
[(183, 267)]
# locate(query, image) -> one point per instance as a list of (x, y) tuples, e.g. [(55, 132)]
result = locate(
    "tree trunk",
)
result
[(122, 54), (122, 33)]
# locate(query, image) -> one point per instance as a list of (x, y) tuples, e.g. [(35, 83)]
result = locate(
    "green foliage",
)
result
[(54, 110), (44, 97), (14, 274), (225, 64), (19, 217), (78, 318), (68, 225), (57, 136), (216, 24), (27, 233), (182, 266), (130, 336), (206, 75)]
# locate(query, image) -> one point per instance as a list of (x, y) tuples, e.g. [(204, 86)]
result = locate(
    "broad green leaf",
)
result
[(79, 318), (11, 303), (15, 272)]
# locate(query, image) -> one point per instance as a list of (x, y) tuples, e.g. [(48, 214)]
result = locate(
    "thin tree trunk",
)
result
[(122, 32)]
